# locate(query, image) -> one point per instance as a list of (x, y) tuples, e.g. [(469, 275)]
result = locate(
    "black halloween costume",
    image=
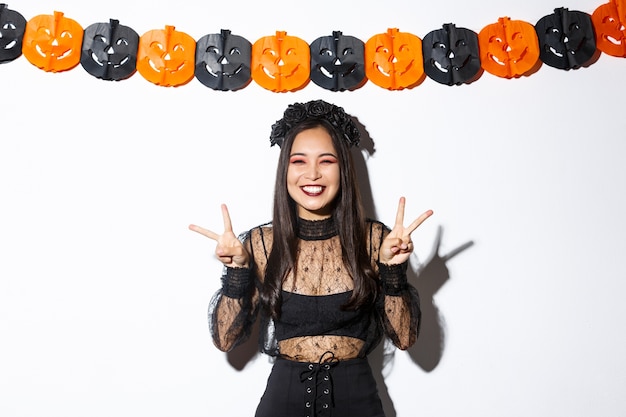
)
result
[(321, 367)]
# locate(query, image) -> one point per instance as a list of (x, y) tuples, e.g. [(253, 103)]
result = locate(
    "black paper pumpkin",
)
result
[(109, 50), (451, 55), (223, 61), (566, 39), (12, 27), (337, 62)]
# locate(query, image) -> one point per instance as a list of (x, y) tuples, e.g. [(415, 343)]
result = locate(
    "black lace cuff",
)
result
[(393, 278), (236, 282)]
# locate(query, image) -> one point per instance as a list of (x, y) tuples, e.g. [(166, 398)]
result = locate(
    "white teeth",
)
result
[(312, 189)]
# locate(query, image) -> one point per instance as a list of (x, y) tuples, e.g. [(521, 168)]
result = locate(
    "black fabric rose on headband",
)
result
[(318, 109)]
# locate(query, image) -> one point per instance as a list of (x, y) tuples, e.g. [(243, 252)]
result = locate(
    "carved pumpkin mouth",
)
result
[(115, 63), (227, 70), (9, 45), (332, 70)]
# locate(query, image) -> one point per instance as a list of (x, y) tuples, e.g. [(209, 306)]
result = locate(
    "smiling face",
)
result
[(313, 173)]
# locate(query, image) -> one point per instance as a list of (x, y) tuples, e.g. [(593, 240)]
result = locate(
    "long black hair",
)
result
[(348, 215)]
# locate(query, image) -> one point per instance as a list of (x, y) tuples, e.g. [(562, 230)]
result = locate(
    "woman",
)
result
[(328, 283)]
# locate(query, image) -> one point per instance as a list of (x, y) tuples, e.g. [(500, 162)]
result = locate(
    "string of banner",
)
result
[(394, 60)]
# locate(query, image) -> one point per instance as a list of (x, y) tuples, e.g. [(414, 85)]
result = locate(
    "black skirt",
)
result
[(324, 389)]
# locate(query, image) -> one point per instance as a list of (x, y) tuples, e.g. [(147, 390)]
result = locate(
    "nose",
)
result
[(312, 172)]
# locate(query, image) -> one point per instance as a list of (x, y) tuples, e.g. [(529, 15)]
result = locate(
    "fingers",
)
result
[(400, 212), (419, 221), (228, 227), (204, 232), (416, 222)]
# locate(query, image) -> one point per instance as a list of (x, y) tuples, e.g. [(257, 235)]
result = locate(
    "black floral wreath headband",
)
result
[(317, 109)]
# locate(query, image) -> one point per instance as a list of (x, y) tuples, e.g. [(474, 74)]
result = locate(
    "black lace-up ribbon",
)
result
[(318, 384)]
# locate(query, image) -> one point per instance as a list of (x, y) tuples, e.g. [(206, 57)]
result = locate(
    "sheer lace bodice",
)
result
[(313, 322)]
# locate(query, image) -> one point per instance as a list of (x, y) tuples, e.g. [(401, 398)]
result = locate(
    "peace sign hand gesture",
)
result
[(230, 251), (397, 246)]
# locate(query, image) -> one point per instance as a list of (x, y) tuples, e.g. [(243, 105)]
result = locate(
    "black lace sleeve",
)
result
[(233, 308), (399, 304)]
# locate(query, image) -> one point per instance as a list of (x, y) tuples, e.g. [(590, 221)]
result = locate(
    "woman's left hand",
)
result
[(397, 246)]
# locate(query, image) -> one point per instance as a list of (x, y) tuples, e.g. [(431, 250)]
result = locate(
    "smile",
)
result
[(312, 190)]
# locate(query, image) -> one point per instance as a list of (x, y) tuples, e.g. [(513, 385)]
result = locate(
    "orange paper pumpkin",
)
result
[(608, 21), (394, 60), (508, 48), (281, 63), (53, 42), (166, 57)]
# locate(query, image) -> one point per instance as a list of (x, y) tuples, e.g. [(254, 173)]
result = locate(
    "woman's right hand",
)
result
[(230, 251)]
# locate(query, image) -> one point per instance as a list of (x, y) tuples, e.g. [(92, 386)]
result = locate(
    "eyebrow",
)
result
[(320, 155)]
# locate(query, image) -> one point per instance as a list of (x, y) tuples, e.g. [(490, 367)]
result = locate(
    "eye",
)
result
[(297, 161), (328, 161)]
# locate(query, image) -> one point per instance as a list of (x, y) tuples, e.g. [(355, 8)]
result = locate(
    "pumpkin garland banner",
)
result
[(393, 60)]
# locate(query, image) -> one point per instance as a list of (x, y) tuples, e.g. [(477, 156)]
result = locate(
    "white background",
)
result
[(103, 289)]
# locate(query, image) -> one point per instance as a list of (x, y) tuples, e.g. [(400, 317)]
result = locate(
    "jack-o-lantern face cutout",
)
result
[(53, 42), (509, 48), (393, 60), (281, 63), (451, 55), (166, 57), (223, 61), (337, 62), (110, 50), (12, 27), (566, 39), (608, 21)]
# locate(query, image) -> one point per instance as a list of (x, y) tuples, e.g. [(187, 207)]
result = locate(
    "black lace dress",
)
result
[(314, 332)]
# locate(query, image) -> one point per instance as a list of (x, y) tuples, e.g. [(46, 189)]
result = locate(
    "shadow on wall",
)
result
[(430, 277)]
